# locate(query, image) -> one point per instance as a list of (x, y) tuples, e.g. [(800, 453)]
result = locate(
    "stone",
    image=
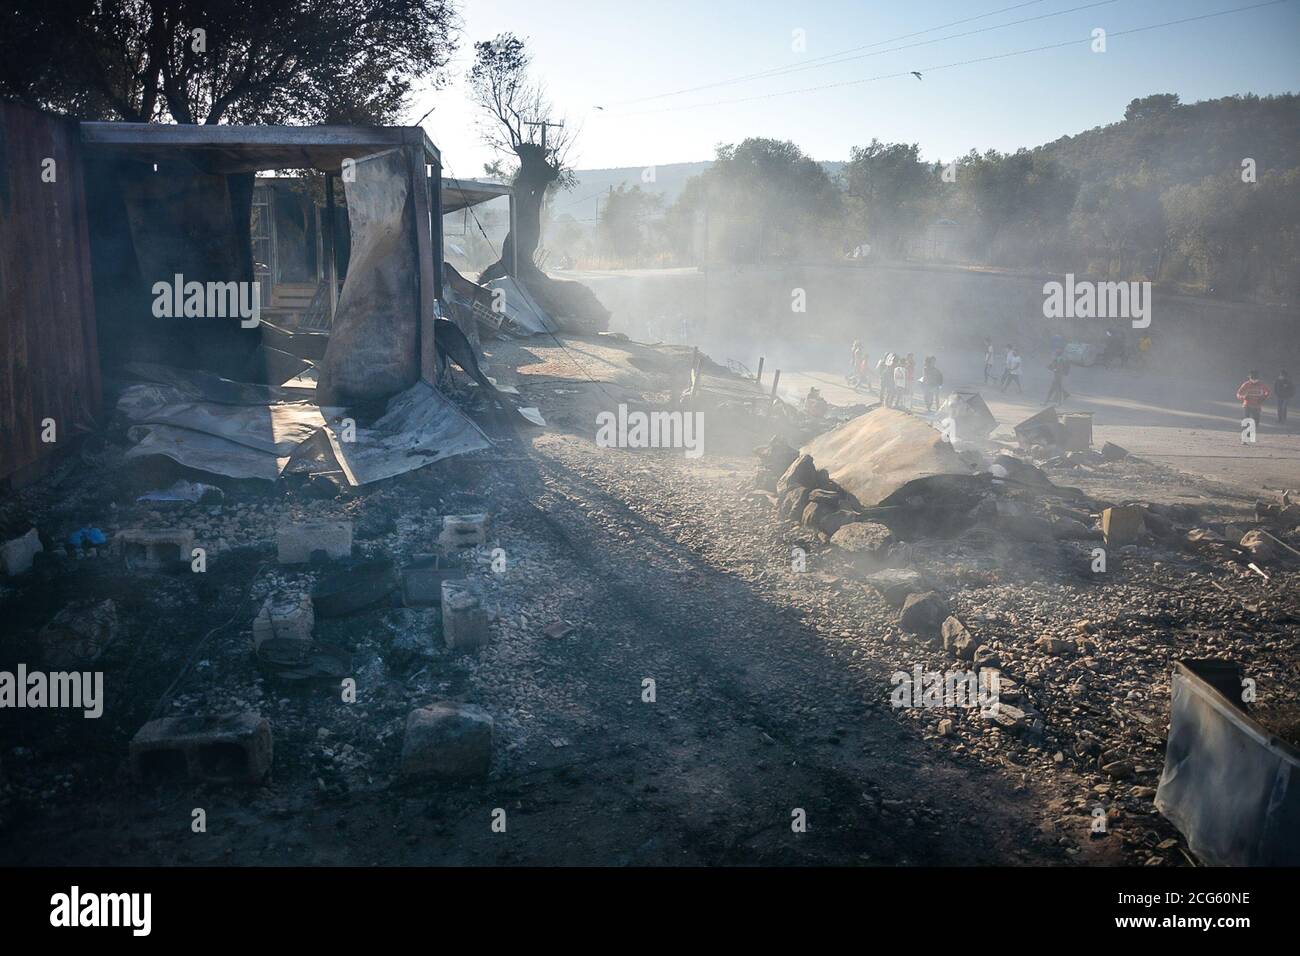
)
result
[(1121, 525), (793, 504), (164, 549), (895, 584), (923, 613), (16, 555), (945, 727), (863, 537), (464, 621), (958, 640), (1055, 647), (463, 531), (447, 741), (216, 749), (802, 473), (78, 634), (1119, 769), (815, 512), (282, 630), (299, 542), (837, 520)]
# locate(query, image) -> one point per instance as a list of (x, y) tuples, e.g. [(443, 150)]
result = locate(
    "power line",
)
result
[(945, 66), (835, 59)]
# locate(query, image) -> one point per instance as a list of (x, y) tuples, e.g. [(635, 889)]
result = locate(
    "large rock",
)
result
[(875, 454), (958, 640), (447, 741), (793, 504), (895, 584), (817, 511), (836, 521), (870, 538), (923, 613), (802, 473)]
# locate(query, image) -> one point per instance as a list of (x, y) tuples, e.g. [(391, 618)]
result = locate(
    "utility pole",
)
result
[(544, 124)]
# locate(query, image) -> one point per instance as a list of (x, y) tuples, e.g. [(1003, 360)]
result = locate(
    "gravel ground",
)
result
[(771, 686)]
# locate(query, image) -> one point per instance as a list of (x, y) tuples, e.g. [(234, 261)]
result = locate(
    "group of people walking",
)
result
[(897, 378)]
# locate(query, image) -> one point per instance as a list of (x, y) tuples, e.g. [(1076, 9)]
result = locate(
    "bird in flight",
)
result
[(916, 74)]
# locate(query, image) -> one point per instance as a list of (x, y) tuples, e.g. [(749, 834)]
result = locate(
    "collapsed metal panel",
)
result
[(49, 358), (1228, 785), (374, 343)]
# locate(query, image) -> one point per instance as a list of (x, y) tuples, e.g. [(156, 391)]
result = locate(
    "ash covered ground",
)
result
[(770, 643)]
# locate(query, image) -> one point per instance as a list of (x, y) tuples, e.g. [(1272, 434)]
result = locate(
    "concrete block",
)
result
[(226, 749), (164, 549), (16, 555), (297, 542), (422, 581), (448, 741), (463, 531), (1121, 525), (282, 630), (464, 622)]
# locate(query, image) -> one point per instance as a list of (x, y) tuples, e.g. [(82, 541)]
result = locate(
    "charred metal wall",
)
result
[(49, 360)]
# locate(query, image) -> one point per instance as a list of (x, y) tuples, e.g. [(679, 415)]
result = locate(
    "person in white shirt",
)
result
[(900, 386), (1012, 374)]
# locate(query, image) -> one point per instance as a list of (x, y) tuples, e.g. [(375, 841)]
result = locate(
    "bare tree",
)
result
[(519, 121)]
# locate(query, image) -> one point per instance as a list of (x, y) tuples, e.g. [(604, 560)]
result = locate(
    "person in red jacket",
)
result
[(1252, 394)]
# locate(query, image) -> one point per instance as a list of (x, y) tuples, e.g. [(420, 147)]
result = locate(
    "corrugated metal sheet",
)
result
[(49, 359)]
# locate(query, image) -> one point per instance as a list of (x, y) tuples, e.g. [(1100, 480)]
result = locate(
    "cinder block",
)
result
[(448, 741), (226, 749), (463, 531), (282, 630), (164, 549), (297, 542), (16, 555), (422, 581), (464, 622), (1121, 525)]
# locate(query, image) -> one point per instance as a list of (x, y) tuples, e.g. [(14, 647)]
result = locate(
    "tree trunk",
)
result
[(531, 182)]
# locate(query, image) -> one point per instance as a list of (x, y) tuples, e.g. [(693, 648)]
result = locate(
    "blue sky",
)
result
[(610, 53)]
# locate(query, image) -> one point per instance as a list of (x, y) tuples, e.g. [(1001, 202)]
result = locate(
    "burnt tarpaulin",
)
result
[(373, 350), (418, 427), (1229, 786)]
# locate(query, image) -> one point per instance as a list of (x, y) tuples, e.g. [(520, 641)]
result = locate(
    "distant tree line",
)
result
[(1201, 196)]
